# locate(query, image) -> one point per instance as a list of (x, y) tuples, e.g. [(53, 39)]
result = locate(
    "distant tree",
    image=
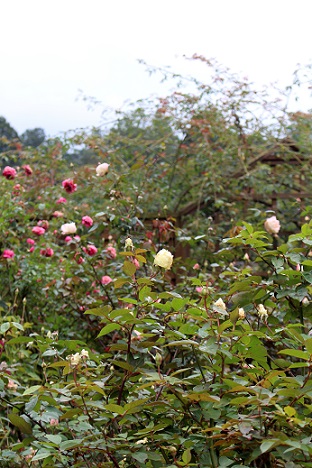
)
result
[(7, 134), (33, 137)]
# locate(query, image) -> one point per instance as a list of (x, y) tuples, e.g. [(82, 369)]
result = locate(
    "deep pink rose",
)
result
[(38, 230), (43, 223), (47, 252), (68, 239), (111, 251), (30, 241), (27, 169), (61, 200), (69, 185), (106, 280), (87, 221), (7, 253), (9, 172), (90, 250), (32, 249)]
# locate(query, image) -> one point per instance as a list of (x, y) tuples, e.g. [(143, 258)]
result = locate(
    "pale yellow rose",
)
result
[(164, 259)]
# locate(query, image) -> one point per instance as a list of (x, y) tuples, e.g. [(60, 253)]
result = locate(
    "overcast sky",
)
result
[(52, 49)]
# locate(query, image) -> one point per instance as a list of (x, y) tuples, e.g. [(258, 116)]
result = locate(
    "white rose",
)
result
[(164, 259), (68, 228), (129, 244), (84, 353), (272, 225), (220, 304), (241, 313), (74, 359), (102, 169), (262, 312)]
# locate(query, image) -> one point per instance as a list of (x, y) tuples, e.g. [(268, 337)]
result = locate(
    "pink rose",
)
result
[(136, 263), (7, 253), (58, 214), (43, 223), (196, 266), (69, 185), (27, 169), (38, 230), (106, 280), (61, 200), (47, 252), (111, 251), (68, 239), (9, 172), (80, 260), (90, 250), (30, 241), (31, 249), (272, 225), (87, 221)]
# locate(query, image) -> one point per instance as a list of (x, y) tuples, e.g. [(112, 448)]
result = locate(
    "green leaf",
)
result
[(20, 423), (129, 268), (114, 408), (268, 444), (108, 329), (99, 311), (187, 456), (69, 444), (296, 353)]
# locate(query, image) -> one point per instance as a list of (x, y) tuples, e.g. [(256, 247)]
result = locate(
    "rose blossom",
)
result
[(68, 228), (9, 172), (68, 239), (38, 230), (111, 251), (196, 266), (7, 253), (47, 252), (30, 241), (69, 185), (164, 259), (102, 169), (43, 223), (61, 200), (262, 312), (106, 280), (90, 250), (87, 221), (220, 304), (27, 169), (58, 214), (272, 225)]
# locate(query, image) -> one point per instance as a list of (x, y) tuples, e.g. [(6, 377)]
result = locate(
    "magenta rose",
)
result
[(69, 185), (90, 250), (7, 253), (87, 221), (47, 252), (9, 172), (39, 231)]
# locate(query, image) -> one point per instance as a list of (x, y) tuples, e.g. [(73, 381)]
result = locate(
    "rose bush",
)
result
[(108, 360)]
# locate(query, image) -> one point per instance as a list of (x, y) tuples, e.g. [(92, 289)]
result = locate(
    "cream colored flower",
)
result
[(128, 244), (164, 259), (74, 359), (220, 304), (241, 313), (68, 228), (102, 169), (84, 353), (272, 225), (262, 312)]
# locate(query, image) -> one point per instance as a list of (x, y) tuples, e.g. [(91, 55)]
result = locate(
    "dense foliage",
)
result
[(116, 354)]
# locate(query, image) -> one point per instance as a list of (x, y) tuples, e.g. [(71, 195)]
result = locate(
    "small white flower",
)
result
[(241, 313), (68, 228), (128, 244), (102, 169), (220, 304), (84, 353), (74, 359), (142, 441), (272, 225), (262, 312), (164, 259)]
